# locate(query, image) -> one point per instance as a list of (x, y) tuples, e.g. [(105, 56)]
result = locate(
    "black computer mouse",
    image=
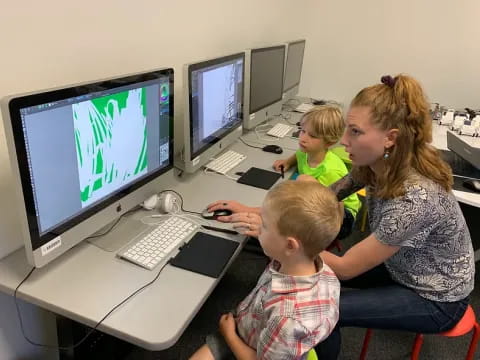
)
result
[(472, 185), (214, 214), (273, 149)]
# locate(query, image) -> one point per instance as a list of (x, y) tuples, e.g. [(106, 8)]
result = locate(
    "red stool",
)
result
[(464, 326)]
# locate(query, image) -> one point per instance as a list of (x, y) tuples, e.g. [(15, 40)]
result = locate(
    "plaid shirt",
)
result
[(285, 316)]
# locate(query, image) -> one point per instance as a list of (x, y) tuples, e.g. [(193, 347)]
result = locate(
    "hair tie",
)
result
[(388, 80)]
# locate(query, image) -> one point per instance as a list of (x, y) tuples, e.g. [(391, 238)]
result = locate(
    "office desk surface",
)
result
[(85, 283), (439, 136)]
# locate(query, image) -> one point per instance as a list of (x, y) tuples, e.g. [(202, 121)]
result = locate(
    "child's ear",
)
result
[(293, 245)]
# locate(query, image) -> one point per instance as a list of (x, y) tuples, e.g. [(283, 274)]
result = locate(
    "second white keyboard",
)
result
[(226, 162), (156, 245), (279, 130)]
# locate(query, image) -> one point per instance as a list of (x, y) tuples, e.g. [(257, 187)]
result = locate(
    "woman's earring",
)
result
[(386, 154)]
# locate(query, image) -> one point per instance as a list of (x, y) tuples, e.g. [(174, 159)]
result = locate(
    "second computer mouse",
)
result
[(273, 149), (472, 185), (214, 214)]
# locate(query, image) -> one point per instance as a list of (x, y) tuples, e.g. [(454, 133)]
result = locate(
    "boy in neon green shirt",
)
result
[(321, 128)]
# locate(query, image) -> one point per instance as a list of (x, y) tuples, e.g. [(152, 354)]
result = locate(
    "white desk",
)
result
[(86, 282), (439, 134)]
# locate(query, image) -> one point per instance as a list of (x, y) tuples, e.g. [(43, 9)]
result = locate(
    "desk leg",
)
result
[(97, 346)]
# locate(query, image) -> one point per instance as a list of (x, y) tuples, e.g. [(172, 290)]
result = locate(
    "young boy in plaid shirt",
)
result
[(294, 305)]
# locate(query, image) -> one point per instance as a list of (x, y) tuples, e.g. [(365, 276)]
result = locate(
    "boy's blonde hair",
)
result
[(326, 122), (307, 211)]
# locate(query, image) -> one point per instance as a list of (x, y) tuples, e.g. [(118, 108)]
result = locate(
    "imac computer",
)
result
[(214, 93), (264, 69), (293, 69), (84, 155)]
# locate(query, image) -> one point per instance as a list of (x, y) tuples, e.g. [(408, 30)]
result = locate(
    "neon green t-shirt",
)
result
[(331, 169)]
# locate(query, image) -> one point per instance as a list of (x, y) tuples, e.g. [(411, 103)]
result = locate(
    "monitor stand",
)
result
[(123, 232)]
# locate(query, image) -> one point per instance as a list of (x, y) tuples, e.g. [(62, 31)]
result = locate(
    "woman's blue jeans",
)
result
[(375, 301)]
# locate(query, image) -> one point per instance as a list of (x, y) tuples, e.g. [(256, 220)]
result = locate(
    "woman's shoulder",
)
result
[(424, 194), (419, 186)]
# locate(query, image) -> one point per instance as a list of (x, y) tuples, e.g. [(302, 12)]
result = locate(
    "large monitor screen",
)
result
[(82, 148), (293, 67), (215, 99), (266, 76)]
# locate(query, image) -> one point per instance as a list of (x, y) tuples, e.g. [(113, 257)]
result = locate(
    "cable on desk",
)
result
[(255, 147), (92, 330), (259, 136), (114, 224)]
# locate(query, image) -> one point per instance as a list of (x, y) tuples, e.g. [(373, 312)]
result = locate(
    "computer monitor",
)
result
[(84, 155), (213, 109), (293, 69), (264, 84)]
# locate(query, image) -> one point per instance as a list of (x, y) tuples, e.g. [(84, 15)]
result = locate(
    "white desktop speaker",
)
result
[(165, 202), (151, 202)]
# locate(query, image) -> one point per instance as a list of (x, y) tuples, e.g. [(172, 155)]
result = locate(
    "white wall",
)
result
[(53, 43), (351, 44)]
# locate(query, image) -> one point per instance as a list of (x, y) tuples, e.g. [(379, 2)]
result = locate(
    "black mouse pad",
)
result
[(205, 254), (260, 178)]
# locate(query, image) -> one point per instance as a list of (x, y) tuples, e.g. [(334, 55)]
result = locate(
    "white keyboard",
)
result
[(279, 130), (226, 162), (303, 108), (156, 245)]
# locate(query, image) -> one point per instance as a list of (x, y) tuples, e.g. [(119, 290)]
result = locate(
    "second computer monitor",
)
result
[(293, 69), (213, 109), (264, 84)]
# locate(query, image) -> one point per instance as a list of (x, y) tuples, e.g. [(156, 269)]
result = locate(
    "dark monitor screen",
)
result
[(79, 149), (266, 76), (215, 100), (293, 68)]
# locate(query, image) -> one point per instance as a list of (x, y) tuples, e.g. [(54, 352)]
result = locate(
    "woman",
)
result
[(414, 272)]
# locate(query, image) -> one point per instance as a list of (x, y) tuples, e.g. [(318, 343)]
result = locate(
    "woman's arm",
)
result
[(346, 186), (360, 258), (233, 206)]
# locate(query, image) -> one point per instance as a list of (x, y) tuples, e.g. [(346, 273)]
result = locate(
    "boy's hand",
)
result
[(279, 163), (227, 325)]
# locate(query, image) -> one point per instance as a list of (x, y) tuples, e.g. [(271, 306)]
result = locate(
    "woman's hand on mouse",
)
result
[(247, 223), (279, 163), (232, 205)]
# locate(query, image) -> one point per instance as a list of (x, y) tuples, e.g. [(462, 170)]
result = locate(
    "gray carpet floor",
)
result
[(242, 276)]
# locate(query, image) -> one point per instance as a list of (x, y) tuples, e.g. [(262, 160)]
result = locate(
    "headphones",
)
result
[(165, 202)]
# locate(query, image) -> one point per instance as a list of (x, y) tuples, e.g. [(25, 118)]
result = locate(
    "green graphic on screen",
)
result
[(111, 142)]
